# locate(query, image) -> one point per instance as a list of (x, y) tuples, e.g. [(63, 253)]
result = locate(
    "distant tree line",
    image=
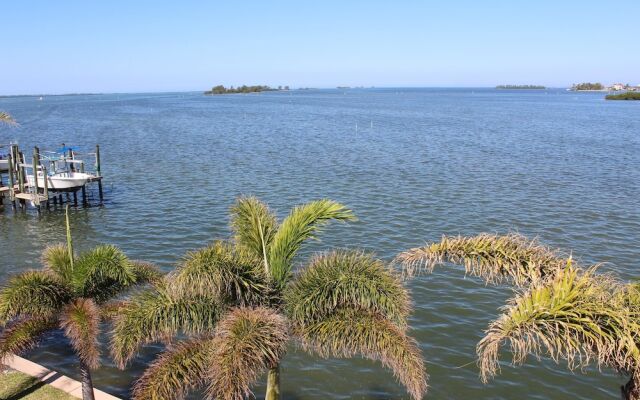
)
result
[(220, 89), (587, 86), (520, 87)]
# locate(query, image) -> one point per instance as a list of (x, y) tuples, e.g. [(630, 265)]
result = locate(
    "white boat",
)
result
[(61, 181), (4, 165)]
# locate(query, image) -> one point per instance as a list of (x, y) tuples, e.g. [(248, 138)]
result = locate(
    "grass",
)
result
[(15, 385), (624, 96)]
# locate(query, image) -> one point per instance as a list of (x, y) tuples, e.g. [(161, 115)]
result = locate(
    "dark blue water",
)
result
[(413, 164)]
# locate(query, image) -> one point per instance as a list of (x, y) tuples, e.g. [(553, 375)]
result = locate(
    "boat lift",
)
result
[(48, 176)]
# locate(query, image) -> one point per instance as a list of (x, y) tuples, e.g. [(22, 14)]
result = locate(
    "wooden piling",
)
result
[(84, 195), (72, 166), (35, 190), (97, 160), (20, 172), (12, 195), (46, 183), (99, 174)]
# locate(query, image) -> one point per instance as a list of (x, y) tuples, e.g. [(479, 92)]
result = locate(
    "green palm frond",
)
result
[(491, 257), (254, 226), (179, 369), (230, 274), (573, 317), (248, 342), (145, 272), (80, 321), (301, 224), (56, 259), (32, 293), (157, 314), (348, 333), (23, 334), (100, 272), (346, 279), (7, 119)]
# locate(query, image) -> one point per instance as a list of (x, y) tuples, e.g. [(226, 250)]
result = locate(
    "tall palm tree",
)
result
[(70, 293), (7, 118), (560, 309), (240, 302)]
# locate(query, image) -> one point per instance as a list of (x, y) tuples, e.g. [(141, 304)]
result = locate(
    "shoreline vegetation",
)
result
[(521, 87), (240, 296), (623, 96), (220, 89)]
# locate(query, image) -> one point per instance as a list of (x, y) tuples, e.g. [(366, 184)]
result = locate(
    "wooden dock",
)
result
[(21, 183)]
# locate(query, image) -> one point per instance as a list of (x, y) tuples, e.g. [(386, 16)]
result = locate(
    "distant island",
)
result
[(587, 86), (537, 87), (599, 87), (220, 89), (624, 96)]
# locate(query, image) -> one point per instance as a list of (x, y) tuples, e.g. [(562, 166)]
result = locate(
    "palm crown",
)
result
[(69, 293), (239, 302), (560, 309)]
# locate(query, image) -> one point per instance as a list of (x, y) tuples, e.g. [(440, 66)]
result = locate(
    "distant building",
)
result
[(618, 86)]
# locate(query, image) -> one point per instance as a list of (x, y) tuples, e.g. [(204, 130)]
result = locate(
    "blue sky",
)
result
[(132, 46)]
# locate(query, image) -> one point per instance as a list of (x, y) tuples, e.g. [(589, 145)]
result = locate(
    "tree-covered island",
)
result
[(587, 86), (537, 87), (220, 89)]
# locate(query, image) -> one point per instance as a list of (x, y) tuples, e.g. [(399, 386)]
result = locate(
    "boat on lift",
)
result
[(66, 172), (61, 181), (4, 160)]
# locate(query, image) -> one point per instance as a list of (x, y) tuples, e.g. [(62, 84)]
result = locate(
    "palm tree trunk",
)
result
[(87, 384), (631, 391), (273, 384)]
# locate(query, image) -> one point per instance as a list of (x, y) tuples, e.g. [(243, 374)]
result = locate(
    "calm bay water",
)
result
[(413, 164)]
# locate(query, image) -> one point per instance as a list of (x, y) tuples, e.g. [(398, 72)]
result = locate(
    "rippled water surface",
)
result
[(413, 164)]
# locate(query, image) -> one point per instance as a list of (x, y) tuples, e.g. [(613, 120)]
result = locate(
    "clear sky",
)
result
[(130, 46)]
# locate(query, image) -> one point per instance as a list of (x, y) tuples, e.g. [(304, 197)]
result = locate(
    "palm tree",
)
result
[(240, 303), (69, 293), (7, 119), (562, 310)]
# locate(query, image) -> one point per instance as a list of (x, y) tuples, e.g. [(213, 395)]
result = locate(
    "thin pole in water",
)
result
[(69, 242)]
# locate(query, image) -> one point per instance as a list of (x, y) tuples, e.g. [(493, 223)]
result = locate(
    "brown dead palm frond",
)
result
[(180, 368), (80, 321), (491, 257), (248, 342), (349, 333), (573, 317)]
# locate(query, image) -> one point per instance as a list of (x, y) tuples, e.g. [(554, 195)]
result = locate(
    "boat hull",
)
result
[(66, 181)]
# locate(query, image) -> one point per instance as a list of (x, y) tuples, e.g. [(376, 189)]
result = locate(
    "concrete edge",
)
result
[(53, 378)]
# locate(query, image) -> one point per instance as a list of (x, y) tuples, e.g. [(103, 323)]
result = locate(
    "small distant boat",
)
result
[(61, 181)]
